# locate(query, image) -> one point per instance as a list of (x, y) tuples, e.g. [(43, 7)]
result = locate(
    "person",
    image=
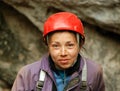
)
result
[(62, 68)]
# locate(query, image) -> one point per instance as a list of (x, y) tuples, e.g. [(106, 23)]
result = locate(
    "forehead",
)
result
[(62, 35), (61, 32)]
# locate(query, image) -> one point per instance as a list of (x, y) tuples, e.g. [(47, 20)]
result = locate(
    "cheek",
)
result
[(74, 51), (53, 53)]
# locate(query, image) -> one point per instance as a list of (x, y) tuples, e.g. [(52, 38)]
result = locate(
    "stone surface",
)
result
[(21, 26), (105, 14), (20, 43), (105, 50)]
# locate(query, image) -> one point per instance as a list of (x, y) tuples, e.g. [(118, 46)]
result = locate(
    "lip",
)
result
[(63, 61)]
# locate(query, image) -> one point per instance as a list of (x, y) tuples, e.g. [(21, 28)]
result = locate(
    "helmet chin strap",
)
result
[(47, 39), (78, 38), (74, 62)]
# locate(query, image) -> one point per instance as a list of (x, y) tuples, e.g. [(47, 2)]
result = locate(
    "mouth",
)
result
[(63, 61)]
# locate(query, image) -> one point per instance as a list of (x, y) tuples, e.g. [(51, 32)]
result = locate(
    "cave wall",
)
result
[(21, 43)]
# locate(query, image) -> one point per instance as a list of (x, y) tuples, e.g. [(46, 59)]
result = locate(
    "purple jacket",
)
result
[(28, 76)]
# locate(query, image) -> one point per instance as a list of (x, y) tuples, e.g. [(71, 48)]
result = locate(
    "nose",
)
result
[(63, 51)]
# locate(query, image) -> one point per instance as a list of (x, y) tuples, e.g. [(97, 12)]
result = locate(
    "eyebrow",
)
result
[(66, 42)]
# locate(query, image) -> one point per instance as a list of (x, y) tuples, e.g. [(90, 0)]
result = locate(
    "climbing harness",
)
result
[(83, 87)]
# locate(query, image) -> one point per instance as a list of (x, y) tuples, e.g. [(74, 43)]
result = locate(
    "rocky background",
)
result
[(21, 43)]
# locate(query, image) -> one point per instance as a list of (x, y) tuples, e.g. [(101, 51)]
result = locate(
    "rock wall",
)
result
[(21, 43)]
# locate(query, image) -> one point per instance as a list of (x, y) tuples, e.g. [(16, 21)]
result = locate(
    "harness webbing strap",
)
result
[(42, 75), (84, 76), (40, 83), (84, 72)]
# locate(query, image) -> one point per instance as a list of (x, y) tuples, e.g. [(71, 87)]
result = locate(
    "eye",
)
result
[(70, 45), (55, 46)]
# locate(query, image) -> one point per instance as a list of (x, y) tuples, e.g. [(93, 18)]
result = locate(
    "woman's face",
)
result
[(63, 48)]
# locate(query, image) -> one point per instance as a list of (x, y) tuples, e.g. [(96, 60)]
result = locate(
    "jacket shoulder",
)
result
[(30, 69), (93, 66), (94, 72)]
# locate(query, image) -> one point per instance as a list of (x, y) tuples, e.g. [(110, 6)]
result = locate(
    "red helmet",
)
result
[(63, 21)]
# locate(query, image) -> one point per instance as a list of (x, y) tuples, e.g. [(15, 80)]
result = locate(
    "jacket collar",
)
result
[(48, 66)]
